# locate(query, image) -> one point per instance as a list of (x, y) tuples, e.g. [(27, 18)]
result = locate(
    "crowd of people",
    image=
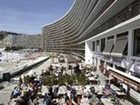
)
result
[(30, 89), (27, 92)]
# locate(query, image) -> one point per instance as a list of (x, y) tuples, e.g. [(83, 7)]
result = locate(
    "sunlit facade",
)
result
[(105, 33)]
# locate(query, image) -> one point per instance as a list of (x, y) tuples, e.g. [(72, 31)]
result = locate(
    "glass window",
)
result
[(102, 44), (120, 47), (97, 45), (0, 54), (137, 42), (93, 46), (108, 47)]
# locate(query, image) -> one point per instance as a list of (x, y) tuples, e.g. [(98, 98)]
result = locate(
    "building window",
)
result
[(102, 44), (109, 64), (93, 46), (120, 68), (121, 45), (97, 46), (109, 45), (0, 54), (137, 42)]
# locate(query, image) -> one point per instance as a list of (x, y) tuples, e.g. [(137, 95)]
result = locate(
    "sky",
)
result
[(28, 16)]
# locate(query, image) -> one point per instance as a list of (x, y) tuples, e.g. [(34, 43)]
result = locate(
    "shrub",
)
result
[(64, 79)]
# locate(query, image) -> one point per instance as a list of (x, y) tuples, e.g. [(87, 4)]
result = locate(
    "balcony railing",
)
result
[(129, 12)]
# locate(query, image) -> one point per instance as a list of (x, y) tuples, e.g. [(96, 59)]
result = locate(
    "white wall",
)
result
[(135, 94), (129, 26), (11, 56), (88, 52)]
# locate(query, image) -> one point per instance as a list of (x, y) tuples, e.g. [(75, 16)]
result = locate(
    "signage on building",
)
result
[(125, 63), (107, 58), (137, 67), (117, 60)]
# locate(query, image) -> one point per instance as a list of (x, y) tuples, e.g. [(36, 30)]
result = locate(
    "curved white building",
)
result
[(103, 32)]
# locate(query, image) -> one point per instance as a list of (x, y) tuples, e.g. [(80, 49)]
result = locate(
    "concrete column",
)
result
[(113, 66), (88, 52), (115, 38), (105, 41), (130, 43), (99, 50), (96, 46), (100, 45)]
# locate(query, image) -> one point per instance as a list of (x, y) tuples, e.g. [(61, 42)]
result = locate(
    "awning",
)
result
[(108, 47), (119, 47)]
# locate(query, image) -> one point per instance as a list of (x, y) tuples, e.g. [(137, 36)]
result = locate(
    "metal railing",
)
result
[(129, 12)]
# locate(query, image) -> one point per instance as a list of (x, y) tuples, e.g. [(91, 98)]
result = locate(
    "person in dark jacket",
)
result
[(76, 69)]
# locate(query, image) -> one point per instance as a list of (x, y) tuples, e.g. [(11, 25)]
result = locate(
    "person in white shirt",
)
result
[(84, 100)]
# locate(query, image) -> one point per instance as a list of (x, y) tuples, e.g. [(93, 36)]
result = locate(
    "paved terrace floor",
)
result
[(6, 66), (5, 93)]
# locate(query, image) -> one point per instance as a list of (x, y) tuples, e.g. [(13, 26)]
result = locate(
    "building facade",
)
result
[(9, 39), (106, 33), (29, 41)]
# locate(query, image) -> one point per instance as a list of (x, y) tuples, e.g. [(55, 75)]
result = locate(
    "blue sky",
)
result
[(28, 16)]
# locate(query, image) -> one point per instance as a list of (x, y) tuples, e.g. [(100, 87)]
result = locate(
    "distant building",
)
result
[(8, 39), (29, 41)]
